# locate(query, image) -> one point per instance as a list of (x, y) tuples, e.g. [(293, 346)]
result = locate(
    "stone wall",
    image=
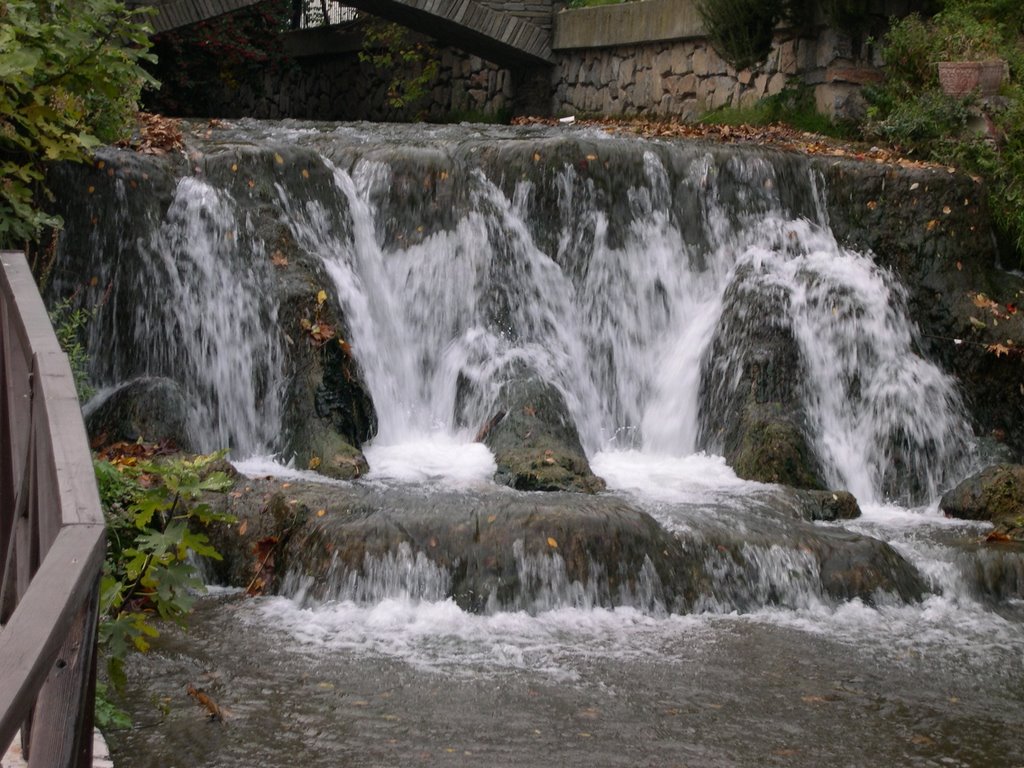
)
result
[(686, 78), (647, 58), (653, 58), (343, 88)]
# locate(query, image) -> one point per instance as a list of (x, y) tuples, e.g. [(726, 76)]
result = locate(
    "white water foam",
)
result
[(664, 478), (435, 459)]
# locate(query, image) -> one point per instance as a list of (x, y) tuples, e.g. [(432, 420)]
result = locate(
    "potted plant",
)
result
[(968, 56)]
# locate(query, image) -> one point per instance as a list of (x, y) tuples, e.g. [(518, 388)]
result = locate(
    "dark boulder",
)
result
[(502, 551), (995, 494), (820, 506), (153, 409), (534, 439), (752, 411), (855, 566), (327, 412)]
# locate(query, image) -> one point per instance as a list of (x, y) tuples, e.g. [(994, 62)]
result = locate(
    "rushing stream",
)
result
[(633, 292)]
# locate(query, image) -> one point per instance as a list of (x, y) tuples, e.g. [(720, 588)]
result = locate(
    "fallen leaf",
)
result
[(243, 528), (552, 543), (314, 462), (321, 297), (278, 259), (998, 349), (321, 512), (206, 702)]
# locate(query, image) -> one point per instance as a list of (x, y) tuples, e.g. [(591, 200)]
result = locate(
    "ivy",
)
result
[(70, 80)]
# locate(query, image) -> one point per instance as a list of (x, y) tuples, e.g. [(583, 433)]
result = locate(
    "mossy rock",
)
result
[(534, 440), (331, 455), (995, 494), (773, 450), (151, 408)]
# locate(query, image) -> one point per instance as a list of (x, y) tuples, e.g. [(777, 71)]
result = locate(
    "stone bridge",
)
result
[(509, 33)]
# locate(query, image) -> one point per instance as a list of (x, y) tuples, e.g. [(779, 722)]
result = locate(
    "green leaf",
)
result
[(148, 505)]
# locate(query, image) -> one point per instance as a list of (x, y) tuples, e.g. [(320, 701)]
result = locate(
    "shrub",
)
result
[(740, 30), (151, 508), (909, 110), (70, 79)]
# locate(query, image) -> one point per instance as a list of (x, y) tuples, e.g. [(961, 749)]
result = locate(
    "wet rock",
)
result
[(854, 566), (932, 228), (994, 571), (501, 550), (821, 506), (752, 410), (327, 411), (150, 408), (254, 548), (534, 440), (995, 494)]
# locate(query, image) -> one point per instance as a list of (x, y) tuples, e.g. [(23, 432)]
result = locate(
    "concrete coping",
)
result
[(629, 23)]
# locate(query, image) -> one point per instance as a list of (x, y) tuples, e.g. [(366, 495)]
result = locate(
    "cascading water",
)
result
[(186, 300), (622, 330), (634, 277)]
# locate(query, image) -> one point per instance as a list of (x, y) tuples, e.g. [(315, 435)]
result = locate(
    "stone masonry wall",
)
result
[(343, 88), (680, 76), (686, 78)]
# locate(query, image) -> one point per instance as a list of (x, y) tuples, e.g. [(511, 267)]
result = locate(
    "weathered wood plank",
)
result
[(51, 532), (66, 439), (59, 735), (31, 640)]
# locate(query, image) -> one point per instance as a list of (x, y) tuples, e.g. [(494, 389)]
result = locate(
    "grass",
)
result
[(793, 107)]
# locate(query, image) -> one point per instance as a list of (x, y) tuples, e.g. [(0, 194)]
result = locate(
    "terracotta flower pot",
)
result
[(959, 78)]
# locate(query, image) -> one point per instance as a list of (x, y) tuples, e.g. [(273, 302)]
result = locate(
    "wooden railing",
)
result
[(51, 537)]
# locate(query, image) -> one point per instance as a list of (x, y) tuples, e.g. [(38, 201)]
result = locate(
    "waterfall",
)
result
[(613, 270), (187, 299), (620, 311)]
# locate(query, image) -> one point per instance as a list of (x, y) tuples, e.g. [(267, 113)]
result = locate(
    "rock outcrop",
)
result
[(751, 405), (500, 550), (932, 228), (995, 494), (534, 439)]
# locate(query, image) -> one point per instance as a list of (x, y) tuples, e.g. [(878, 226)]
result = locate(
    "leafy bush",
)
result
[(70, 78), (152, 509), (69, 322), (909, 110), (740, 30), (196, 62), (413, 66)]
